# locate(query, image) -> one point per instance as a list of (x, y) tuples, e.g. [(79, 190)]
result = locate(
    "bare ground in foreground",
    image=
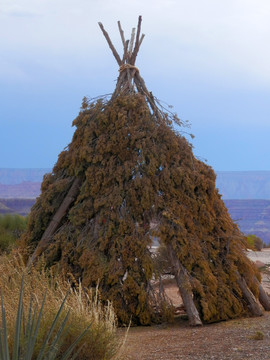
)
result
[(235, 339)]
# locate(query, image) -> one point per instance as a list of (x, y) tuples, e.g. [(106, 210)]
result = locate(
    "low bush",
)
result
[(100, 341), (11, 228), (254, 242)]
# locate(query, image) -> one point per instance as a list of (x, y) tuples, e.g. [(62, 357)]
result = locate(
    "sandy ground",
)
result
[(230, 340), (263, 256), (262, 259)]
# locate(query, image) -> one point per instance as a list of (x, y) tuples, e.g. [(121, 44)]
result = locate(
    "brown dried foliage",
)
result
[(136, 169)]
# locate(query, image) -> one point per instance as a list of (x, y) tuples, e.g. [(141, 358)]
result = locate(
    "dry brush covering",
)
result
[(134, 170)]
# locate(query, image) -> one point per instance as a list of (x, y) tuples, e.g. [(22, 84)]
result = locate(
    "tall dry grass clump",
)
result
[(100, 341)]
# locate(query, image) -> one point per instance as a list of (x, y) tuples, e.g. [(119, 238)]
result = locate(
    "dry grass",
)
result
[(100, 342)]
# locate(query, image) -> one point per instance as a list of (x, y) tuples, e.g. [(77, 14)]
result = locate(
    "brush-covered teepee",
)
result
[(127, 176)]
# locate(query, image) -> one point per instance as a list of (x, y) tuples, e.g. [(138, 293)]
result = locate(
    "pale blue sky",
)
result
[(209, 59)]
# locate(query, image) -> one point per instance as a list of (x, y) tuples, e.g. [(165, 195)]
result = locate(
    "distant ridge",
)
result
[(17, 176), (24, 190), (244, 184), (16, 206), (252, 216)]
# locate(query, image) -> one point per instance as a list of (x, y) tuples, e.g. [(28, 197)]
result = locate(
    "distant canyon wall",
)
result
[(252, 216), (16, 206), (18, 176), (243, 185)]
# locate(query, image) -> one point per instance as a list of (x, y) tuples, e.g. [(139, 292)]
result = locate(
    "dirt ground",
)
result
[(235, 339), (240, 339)]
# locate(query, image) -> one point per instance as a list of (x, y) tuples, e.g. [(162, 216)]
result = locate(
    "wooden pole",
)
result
[(143, 90), (137, 42), (253, 305), (121, 34), (106, 35), (125, 52), (185, 288), (55, 222), (263, 297), (141, 40), (131, 44)]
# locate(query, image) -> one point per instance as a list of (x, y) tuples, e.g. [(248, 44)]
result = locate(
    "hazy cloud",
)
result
[(225, 38)]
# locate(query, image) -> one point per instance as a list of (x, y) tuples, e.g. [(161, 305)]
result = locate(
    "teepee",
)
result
[(127, 176)]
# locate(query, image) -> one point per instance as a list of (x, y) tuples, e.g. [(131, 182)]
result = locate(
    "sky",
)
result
[(209, 59)]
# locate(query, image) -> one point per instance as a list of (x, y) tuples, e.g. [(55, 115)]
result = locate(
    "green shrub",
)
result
[(254, 242), (11, 228)]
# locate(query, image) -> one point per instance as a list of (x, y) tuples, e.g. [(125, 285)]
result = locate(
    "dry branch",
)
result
[(141, 40), (125, 52), (106, 35), (131, 44), (185, 288), (55, 222), (121, 34), (137, 42), (263, 297), (253, 305)]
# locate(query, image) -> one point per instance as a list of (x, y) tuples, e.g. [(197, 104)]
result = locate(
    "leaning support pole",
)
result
[(263, 297), (106, 35), (185, 288), (54, 223), (253, 305)]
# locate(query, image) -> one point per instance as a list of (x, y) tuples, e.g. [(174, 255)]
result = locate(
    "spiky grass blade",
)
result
[(43, 348), (4, 346), (31, 340), (16, 345), (1, 346), (29, 328), (58, 339), (72, 347)]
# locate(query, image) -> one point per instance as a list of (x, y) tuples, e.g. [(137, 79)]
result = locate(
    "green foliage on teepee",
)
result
[(134, 171)]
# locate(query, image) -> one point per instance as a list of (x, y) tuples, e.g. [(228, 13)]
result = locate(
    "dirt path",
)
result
[(235, 339)]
